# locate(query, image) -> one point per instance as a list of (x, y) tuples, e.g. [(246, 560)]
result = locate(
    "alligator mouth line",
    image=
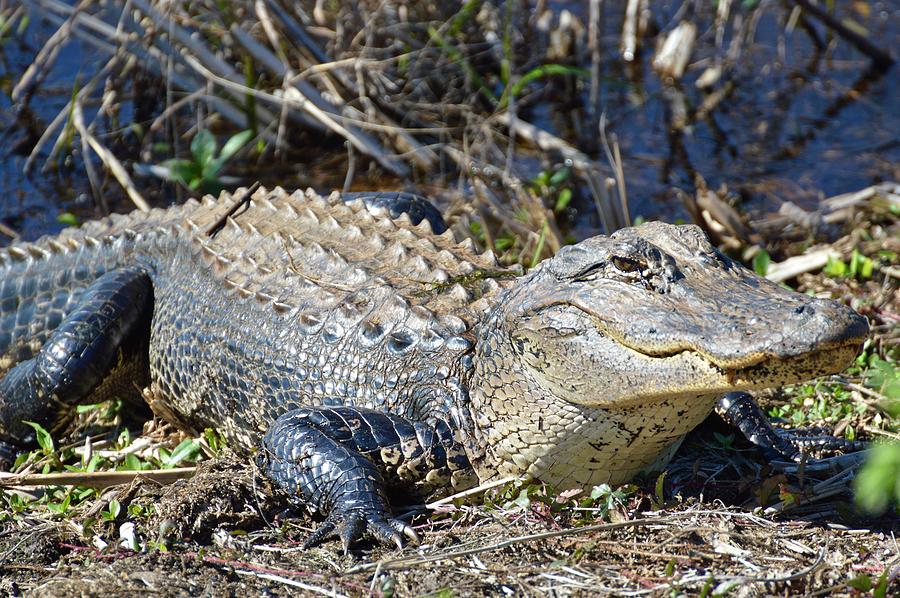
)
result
[(745, 362), (750, 366)]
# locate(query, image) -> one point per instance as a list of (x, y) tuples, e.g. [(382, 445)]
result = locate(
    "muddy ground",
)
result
[(225, 535)]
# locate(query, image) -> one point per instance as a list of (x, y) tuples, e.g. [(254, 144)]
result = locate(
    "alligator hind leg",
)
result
[(740, 410), (341, 461), (105, 332)]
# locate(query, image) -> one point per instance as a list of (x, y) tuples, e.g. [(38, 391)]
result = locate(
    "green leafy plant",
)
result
[(214, 440), (878, 484), (761, 262), (43, 438), (882, 376), (67, 219), (60, 507), (187, 450), (112, 511), (553, 184), (605, 498), (864, 583), (859, 267), (201, 171), (540, 72), (7, 24)]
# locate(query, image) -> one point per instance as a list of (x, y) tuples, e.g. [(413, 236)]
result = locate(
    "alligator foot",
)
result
[(349, 526), (341, 460), (740, 410)]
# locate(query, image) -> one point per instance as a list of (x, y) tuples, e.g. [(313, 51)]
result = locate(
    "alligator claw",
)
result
[(816, 442), (405, 529), (350, 526), (740, 410)]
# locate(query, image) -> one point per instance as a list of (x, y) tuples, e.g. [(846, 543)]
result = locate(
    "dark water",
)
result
[(807, 117), (802, 121), (30, 205)]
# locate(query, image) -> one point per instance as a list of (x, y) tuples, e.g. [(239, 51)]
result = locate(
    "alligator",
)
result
[(356, 350)]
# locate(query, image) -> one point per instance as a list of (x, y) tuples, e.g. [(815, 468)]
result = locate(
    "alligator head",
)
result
[(625, 341)]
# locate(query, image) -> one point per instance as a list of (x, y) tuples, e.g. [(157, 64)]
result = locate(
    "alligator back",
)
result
[(287, 300)]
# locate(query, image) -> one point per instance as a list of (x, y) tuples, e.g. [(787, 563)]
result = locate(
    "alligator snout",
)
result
[(823, 324), (814, 326)]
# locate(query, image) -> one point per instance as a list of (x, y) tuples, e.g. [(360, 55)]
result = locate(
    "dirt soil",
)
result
[(222, 533)]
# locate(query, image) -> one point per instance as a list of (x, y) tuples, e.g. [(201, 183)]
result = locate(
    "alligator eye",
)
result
[(626, 264)]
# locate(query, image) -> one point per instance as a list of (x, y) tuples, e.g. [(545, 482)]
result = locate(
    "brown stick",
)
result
[(95, 479)]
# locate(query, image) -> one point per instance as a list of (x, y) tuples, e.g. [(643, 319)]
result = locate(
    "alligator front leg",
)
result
[(740, 410), (106, 330), (342, 460)]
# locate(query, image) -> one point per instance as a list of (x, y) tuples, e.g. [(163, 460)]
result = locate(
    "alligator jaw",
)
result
[(837, 348), (837, 330)]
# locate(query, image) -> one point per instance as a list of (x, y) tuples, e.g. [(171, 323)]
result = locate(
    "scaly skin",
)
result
[(588, 369)]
